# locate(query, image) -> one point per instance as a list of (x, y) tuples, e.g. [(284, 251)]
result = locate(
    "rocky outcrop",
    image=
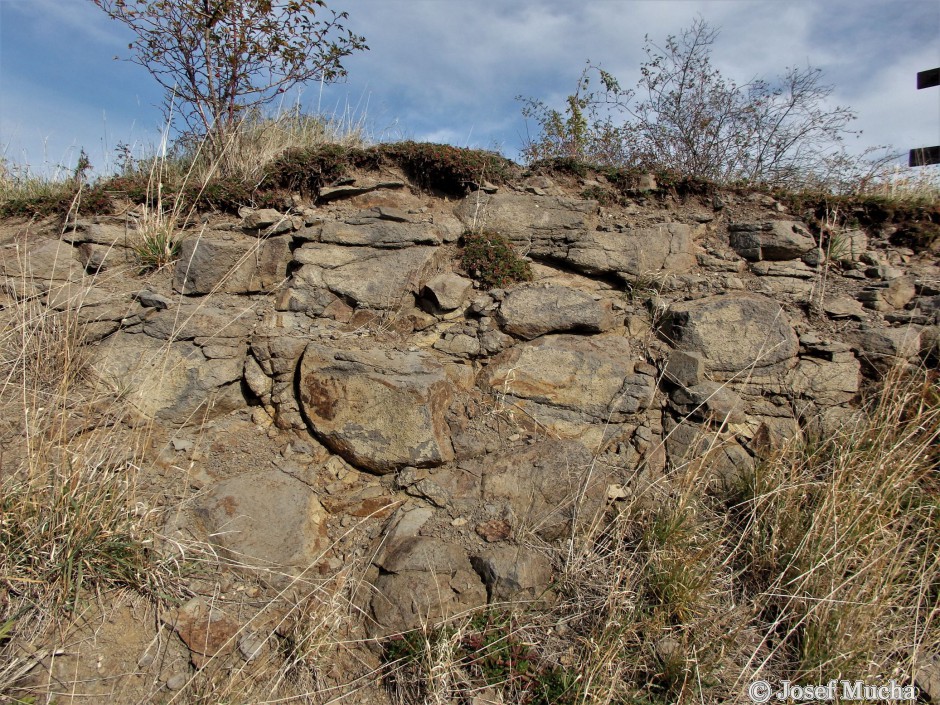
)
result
[(439, 432)]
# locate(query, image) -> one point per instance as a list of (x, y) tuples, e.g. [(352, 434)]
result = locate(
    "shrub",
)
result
[(685, 116), (490, 259)]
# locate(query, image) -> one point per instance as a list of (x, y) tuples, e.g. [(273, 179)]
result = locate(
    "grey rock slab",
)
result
[(685, 368), (827, 382), (379, 409), (194, 320), (848, 247), (242, 266), (631, 254), (265, 519), (332, 193), (772, 240), (151, 299), (169, 382), (531, 311), (844, 307), (525, 218), (732, 332), (513, 573), (887, 345), (372, 278), (379, 233), (267, 221), (108, 235), (710, 400), (42, 263), (795, 269), (579, 373)]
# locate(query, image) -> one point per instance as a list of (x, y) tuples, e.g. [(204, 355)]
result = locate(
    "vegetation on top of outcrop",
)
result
[(436, 167)]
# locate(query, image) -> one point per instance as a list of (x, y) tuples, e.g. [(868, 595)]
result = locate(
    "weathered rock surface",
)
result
[(564, 230), (379, 233), (267, 520), (172, 382), (774, 240), (422, 580), (593, 376), (544, 486), (531, 311), (379, 409), (240, 266), (733, 333), (372, 278), (448, 291), (513, 573)]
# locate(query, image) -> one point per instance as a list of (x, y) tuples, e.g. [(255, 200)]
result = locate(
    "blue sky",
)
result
[(450, 70)]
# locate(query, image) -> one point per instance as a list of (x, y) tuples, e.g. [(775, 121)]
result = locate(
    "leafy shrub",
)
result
[(684, 115), (490, 259)]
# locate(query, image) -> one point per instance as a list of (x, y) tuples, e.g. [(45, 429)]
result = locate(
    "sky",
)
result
[(451, 70)]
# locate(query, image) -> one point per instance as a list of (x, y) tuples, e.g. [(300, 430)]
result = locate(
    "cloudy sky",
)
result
[(450, 70)]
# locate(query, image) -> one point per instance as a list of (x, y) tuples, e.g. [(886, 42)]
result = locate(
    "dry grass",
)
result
[(71, 525), (822, 563)]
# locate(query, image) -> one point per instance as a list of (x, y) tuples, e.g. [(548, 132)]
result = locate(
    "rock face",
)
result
[(239, 513), (172, 382), (423, 580), (369, 277), (593, 376), (732, 333), (775, 240), (655, 344), (378, 409), (544, 487), (243, 266), (564, 231), (531, 311)]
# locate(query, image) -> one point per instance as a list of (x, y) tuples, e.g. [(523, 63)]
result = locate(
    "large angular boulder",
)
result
[(379, 409), (370, 277), (629, 254), (733, 333), (382, 233), (544, 487), (531, 311), (203, 322), (827, 382), (593, 376), (526, 218), (242, 265), (513, 573), (773, 240), (41, 263), (172, 382)]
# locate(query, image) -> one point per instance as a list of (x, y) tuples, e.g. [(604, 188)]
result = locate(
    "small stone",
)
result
[(177, 681), (251, 645)]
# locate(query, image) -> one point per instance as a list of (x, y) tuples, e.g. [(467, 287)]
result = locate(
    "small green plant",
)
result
[(490, 259), (488, 650), (159, 243)]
